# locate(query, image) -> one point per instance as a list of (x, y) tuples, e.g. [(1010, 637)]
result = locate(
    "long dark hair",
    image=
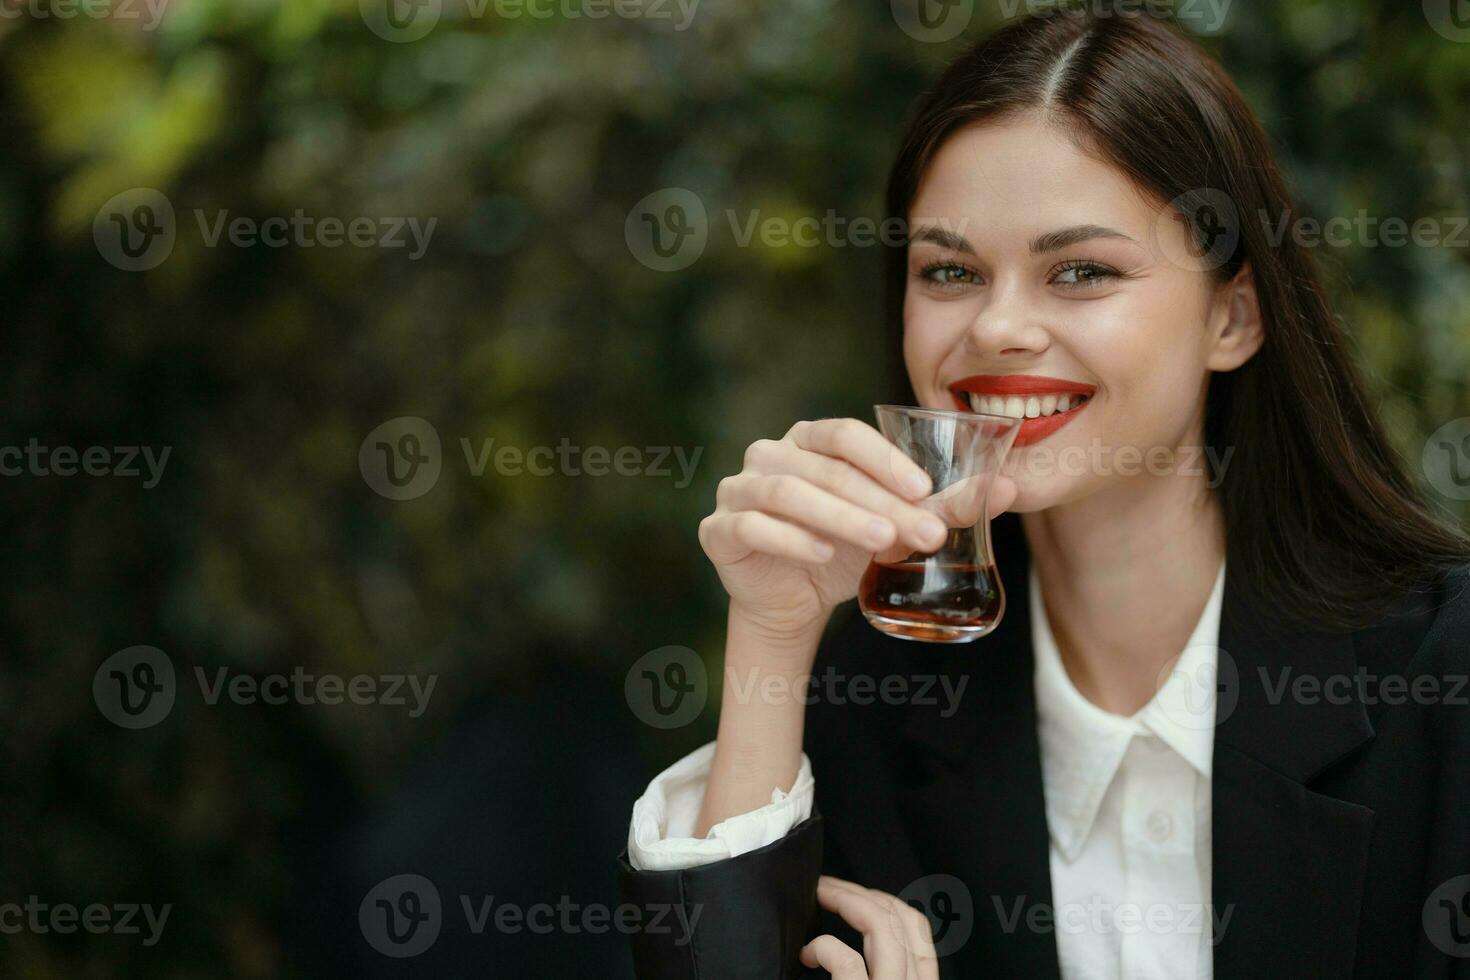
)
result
[(1324, 527)]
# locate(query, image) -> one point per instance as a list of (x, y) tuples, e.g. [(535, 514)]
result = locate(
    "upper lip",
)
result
[(1020, 384)]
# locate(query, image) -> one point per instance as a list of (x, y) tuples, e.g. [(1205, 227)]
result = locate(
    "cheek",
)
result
[(927, 340), (1152, 369)]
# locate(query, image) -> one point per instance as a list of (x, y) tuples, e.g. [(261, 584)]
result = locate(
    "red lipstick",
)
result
[(1024, 386)]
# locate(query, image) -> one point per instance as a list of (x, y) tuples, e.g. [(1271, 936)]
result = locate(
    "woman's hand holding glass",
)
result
[(792, 532)]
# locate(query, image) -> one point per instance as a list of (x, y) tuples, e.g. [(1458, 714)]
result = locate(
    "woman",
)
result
[(1082, 194)]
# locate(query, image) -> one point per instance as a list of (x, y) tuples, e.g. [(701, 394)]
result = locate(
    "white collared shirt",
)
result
[(1127, 809), (1128, 812)]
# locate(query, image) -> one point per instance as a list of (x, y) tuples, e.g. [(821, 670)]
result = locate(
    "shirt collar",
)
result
[(1082, 745)]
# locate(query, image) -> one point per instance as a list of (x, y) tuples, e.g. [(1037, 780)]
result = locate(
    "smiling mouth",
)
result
[(1043, 404)]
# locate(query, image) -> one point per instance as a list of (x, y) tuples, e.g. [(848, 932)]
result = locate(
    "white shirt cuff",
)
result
[(660, 837)]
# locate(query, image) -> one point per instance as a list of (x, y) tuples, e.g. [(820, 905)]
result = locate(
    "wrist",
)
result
[(755, 635)]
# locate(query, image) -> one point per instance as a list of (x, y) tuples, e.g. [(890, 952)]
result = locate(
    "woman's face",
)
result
[(1039, 276)]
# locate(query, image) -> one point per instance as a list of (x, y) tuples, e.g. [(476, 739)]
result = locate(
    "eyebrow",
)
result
[(1049, 242)]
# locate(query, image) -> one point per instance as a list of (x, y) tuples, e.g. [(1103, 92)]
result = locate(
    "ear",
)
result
[(1236, 332)]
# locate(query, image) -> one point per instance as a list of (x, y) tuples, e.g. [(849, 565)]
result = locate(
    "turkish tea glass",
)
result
[(953, 595)]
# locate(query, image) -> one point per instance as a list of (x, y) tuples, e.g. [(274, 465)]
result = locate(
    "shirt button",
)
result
[(1160, 826)]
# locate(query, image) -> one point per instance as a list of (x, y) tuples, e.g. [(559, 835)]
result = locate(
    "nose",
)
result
[(1007, 327)]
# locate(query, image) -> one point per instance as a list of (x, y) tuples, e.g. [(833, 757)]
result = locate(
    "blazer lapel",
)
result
[(1289, 863), (978, 812)]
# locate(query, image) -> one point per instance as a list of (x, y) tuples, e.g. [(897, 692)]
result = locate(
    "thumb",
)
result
[(1003, 492)]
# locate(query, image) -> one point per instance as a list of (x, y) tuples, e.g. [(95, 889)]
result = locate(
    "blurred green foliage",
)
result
[(527, 321)]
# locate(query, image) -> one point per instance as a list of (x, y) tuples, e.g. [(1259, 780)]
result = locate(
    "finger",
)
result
[(836, 957), (960, 503), (885, 944), (864, 447), (1003, 493), (918, 933), (730, 536), (791, 498), (915, 523)]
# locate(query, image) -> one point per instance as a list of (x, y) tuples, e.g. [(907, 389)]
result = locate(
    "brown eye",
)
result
[(1083, 274), (948, 274)]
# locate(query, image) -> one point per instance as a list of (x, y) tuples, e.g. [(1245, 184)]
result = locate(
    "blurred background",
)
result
[(367, 368)]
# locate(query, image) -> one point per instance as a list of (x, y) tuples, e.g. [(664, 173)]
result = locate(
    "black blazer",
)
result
[(1341, 808)]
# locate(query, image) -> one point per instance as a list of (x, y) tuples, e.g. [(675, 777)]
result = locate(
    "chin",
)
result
[(1038, 492)]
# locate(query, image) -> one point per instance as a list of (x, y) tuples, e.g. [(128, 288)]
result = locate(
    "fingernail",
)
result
[(916, 484), (932, 529), (822, 550)]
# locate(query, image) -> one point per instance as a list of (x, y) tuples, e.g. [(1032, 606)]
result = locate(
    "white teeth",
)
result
[(1028, 407)]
